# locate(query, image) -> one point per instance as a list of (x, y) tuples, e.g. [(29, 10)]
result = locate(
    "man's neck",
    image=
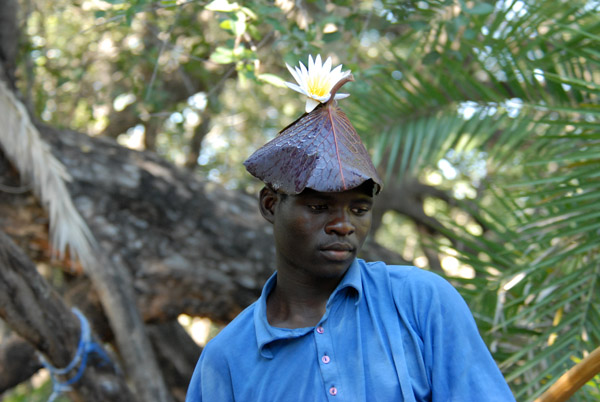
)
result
[(298, 302)]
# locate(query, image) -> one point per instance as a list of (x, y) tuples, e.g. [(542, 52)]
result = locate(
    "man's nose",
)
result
[(340, 224)]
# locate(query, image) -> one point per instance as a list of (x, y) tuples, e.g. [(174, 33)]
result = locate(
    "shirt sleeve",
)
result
[(459, 363), (211, 380)]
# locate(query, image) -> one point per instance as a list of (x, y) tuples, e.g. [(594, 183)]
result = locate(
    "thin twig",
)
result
[(149, 8), (160, 52)]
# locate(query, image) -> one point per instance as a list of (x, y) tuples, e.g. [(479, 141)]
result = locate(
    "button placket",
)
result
[(329, 371)]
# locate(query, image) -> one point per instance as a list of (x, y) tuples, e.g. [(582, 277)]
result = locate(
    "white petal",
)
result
[(344, 74), (318, 62), (294, 73), (304, 73), (301, 74), (311, 63), (311, 104), (341, 96), (295, 88), (337, 71), (321, 99), (327, 65)]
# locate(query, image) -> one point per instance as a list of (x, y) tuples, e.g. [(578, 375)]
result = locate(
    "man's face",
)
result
[(319, 234)]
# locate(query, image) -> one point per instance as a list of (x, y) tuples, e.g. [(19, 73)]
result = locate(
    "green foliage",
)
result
[(516, 82), (27, 393), (497, 99)]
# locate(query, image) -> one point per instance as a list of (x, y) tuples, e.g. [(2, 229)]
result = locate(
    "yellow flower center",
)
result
[(318, 86)]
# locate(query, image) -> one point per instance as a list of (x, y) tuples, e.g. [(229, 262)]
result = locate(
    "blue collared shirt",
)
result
[(389, 333)]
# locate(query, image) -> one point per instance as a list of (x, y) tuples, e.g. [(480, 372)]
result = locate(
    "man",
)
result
[(329, 326)]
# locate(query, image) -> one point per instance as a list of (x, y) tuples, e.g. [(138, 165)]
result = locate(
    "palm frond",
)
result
[(23, 145), (519, 86)]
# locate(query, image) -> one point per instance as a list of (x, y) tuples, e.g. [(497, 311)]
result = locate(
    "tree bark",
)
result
[(18, 362), (23, 144), (114, 284), (9, 40), (37, 313), (195, 146), (177, 355)]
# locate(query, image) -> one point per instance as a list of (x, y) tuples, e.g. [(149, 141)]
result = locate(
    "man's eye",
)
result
[(317, 207), (361, 210)]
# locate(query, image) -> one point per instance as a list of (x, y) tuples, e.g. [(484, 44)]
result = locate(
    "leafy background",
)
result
[(491, 105)]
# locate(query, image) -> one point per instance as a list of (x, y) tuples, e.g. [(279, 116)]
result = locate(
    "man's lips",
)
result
[(338, 251), (338, 247)]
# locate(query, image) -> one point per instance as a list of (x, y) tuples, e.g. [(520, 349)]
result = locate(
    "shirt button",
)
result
[(325, 359), (333, 391), (320, 329)]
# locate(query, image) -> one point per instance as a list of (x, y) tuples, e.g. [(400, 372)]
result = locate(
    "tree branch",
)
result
[(34, 310), (18, 362)]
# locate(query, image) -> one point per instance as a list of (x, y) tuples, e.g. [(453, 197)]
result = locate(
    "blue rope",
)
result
[(85, 347)]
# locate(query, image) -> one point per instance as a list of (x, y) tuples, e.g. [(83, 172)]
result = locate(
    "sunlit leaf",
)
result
[(272, 79), (223, 55), (222, 6)]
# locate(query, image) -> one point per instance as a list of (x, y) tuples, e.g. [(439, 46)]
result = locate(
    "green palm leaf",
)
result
[(518, 86)]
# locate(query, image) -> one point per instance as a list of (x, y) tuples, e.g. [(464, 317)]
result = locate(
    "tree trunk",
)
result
[(38, 314)]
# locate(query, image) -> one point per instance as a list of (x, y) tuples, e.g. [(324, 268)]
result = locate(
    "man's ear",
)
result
[(267, 200)]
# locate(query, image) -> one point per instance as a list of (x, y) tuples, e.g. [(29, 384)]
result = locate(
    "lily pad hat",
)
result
[(320, 150)]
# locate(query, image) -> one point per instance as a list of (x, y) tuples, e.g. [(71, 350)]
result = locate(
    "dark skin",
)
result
[(317, 236)]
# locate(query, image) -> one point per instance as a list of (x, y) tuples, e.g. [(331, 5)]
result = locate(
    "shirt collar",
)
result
[(265, 333)]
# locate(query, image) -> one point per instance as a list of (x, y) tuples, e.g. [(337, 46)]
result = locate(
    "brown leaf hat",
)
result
[(321, 151)]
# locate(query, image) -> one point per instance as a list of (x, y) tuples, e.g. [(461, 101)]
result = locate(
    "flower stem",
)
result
[(337, 86)]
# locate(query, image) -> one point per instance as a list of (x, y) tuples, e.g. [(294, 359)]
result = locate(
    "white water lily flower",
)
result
[(317, 81)]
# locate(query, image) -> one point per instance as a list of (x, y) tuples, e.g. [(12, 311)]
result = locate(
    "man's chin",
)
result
[(335, 267)]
